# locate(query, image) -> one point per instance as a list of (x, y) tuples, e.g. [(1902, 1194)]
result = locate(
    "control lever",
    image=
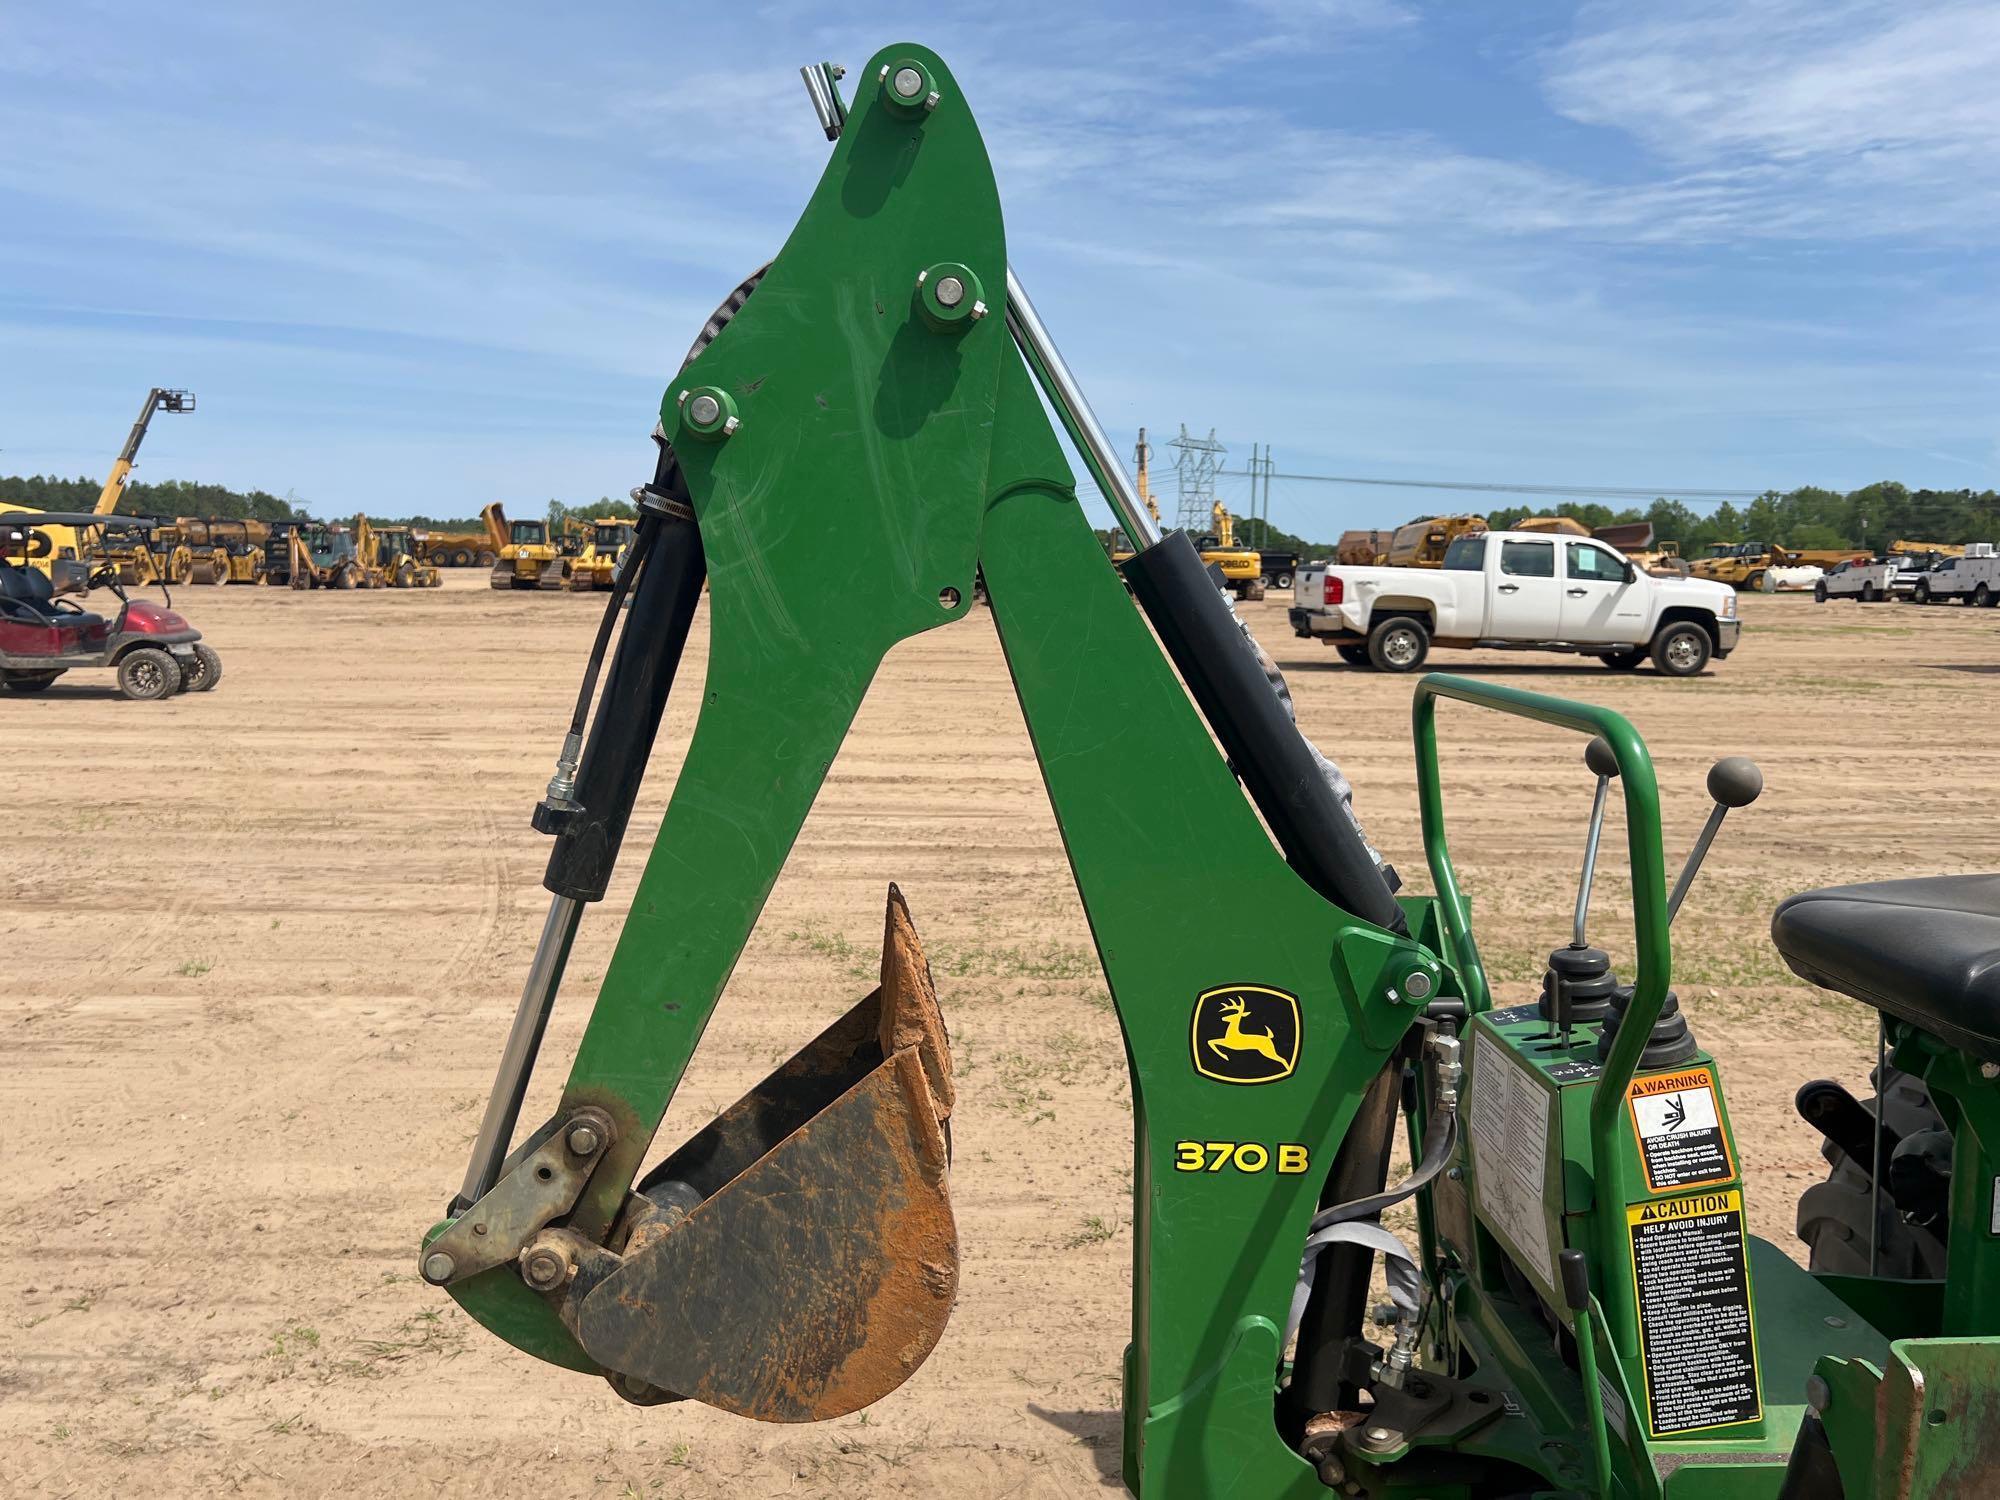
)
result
[(1733, 781), (1596, 755)]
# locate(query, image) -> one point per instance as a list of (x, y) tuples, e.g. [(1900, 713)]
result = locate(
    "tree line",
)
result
[(1872, 516)]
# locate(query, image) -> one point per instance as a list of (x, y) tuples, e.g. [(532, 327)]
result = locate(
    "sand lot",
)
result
[(258, 950)]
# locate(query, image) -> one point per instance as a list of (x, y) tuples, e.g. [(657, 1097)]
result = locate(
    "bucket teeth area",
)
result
[(797, 1259)]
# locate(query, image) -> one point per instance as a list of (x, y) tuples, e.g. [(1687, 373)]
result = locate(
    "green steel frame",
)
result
[(870, 449)]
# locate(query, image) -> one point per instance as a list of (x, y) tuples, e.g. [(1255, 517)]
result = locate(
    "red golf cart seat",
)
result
[(32, 625)]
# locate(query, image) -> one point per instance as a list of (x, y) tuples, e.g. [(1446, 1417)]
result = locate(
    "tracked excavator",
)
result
[(1579, 1309)]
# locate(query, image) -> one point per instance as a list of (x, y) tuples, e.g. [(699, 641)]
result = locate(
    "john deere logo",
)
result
[(1245, 1033)]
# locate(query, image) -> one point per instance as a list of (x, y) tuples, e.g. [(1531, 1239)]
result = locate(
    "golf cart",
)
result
[(155, 652)]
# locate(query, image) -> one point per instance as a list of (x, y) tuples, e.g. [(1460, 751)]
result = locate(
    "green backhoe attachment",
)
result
[(857, 447)]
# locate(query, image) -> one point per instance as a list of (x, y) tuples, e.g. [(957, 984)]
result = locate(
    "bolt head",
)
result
[(438, 1267), (704, 410), (1989, 1070), (950, 291), (1418, 983), (931, 100), (979, 309), (1379, 1435), (909, 82), (583, 1140), (544, 1268), (730, 426)]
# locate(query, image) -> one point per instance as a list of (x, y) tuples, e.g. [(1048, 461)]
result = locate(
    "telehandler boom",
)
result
[(857, 431)]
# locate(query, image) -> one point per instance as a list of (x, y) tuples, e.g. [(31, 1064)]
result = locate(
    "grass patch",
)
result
[(1096, 1230), (194, 968)]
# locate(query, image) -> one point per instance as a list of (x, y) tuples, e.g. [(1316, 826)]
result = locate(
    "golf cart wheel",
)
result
[(204, 670), (1624, 661), (28, 682), (1354, 656), (147, 674)]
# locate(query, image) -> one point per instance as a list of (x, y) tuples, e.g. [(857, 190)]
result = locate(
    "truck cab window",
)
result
[(1594, 564), (1528, 559), (1466, 555)]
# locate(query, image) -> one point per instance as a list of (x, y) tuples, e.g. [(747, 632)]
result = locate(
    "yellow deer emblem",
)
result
[(1235, 1039), (1245, 1034)]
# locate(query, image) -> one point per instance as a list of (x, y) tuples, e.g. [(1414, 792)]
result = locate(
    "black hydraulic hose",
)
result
[(1436, 1154), (590, 824), (642, 543)]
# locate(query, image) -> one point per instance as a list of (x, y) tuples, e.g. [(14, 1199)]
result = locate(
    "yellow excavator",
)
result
[(60, 551)]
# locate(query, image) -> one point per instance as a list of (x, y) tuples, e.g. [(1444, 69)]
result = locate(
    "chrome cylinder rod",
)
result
[(820, 91), (517, 1059), (1590, 860), (1063, 392)]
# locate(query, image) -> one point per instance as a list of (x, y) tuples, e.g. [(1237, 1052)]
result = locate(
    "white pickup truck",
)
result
[(1517, 590)]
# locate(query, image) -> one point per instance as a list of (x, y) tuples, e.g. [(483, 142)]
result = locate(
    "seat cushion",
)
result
[(1924, 951)]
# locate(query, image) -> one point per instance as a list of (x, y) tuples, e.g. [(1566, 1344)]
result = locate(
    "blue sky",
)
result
[(416, 257)]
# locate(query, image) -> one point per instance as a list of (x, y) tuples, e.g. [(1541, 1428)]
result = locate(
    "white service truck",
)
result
[(1866, 580), (1971, 579), (1522, 591)]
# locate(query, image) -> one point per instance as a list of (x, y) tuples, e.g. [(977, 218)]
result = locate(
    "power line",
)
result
[(1575, 491)]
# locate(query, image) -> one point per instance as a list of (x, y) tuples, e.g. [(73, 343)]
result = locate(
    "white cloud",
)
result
[(1869, 117)]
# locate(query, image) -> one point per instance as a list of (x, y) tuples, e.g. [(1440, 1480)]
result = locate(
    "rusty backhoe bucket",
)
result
[(797, 1259)]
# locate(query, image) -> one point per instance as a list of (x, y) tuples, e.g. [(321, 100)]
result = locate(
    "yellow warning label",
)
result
[(1684, 1208), (1697, 1337), (1677, 1126)]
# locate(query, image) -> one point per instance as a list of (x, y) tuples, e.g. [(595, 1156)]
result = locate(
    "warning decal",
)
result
[(1692, 1286), (1679, 1130)]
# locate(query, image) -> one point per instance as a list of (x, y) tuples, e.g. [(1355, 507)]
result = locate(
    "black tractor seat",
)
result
[(1924, 951)]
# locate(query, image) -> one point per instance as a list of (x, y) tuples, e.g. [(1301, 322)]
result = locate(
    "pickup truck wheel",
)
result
[(1681, 650), (1819, 592), (1354, 656), (1983, 596), (1923, 593), (1868, 595), (1399, 644), (1624, 661)]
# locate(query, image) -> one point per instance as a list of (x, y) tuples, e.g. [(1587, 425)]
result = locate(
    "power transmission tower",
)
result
[(1195, 462)]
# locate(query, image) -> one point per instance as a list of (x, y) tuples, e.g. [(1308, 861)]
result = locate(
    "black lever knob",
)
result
[(1597, 755)]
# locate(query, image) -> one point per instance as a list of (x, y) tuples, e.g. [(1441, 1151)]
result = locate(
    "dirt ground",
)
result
[(260, 949)]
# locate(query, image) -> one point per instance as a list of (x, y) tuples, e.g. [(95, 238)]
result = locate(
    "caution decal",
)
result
[(1697, 1338), (1679, 1130)]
